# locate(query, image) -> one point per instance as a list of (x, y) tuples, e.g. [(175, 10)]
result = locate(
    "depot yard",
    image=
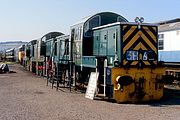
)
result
[(25, 96)]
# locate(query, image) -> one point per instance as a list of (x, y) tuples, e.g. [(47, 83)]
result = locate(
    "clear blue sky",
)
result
[(30, 19)]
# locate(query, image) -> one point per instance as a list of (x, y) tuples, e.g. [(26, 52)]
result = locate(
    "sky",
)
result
[(26, 20)]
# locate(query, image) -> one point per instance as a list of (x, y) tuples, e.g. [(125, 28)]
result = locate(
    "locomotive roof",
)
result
[(82, 21), (63, 36), (51, 35), (119, 23)]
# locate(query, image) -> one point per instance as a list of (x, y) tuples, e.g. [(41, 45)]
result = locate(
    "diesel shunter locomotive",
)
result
[(136, 74)]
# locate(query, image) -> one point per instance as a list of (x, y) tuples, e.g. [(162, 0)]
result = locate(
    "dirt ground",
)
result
[(25, 96)]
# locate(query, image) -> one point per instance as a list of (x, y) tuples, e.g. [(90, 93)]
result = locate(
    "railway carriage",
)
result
[(51, 49), (40, 57), (21, 54), (26, 59), (61, 61), (33, 55)]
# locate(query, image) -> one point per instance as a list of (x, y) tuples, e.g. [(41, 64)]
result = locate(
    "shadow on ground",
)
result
[(158, 103)]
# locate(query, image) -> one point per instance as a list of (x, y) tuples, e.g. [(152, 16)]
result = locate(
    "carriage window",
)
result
[(33, 51), (55, 48), (72, 34), (132, 55), (66, 47), (48, 48)]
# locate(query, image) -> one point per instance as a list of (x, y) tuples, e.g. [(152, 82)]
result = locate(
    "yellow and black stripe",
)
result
[(143, 39)]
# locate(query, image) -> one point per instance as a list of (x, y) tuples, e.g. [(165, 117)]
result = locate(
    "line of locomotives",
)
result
[(124, 54)]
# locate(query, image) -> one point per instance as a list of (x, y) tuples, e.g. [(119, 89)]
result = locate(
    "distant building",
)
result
[(8, 45), (169, 40)]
